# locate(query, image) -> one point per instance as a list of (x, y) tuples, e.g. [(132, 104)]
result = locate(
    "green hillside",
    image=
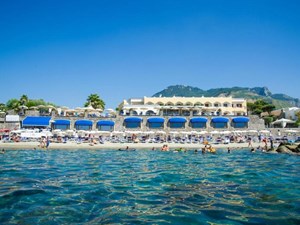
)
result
[(279, 100)]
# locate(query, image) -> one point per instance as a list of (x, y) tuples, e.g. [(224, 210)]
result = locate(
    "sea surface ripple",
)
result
[(148, 187)]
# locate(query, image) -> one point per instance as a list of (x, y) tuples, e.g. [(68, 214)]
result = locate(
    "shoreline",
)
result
[(108, 145)]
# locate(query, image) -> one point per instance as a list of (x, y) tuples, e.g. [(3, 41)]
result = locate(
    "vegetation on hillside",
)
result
[(251, 94)]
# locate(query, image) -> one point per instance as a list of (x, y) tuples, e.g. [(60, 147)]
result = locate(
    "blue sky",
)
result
[(62, 51)]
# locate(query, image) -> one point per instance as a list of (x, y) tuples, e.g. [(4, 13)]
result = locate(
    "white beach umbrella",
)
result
[(290, 131), (239, 131), (61, 134), (89, 108), (225, 132), (252, 131), (78, 109), (102, 132), (46, 134), (264, 131), (23, 107), (70, 132), (214, 132), (56, 131), (283, 122), (81, 132), (117, 132), (132, 132), (18, 131), (148, 132)]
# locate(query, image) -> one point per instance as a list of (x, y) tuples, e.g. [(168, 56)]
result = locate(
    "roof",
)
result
[(133, 120), (36, 121), (84, 123), (240, 119), (61, 122), (220, 120), (198, 120), (105, 123), (177, 120), (156, 120)]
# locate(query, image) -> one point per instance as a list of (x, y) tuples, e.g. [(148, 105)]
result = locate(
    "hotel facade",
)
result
[(150, 113), (184, 106)]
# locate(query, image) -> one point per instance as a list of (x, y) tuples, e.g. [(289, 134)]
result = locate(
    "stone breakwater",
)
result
[(287, 148)]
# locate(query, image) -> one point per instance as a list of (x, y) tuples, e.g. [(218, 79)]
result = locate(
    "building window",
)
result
[(177, 125), (150, 113), (240, 125), (105, 128), (198, 125), (156, 125)]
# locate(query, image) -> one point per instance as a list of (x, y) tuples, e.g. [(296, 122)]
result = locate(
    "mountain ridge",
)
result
[(250, 94)]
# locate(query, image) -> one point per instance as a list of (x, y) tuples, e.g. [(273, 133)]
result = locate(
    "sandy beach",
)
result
[(108, 145)]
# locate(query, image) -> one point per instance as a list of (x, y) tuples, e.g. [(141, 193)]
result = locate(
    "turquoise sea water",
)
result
[(148, 187)]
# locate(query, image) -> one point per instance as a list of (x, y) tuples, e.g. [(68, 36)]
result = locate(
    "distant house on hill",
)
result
[(287, 113)]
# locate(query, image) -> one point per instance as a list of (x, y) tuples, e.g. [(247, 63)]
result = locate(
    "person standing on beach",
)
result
[(271, 142), (249, 142), (266, 143), (42, 142), (47, 142)]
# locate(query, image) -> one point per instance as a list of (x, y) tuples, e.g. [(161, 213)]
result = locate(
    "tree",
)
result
[(268, 120), (24, 100), (95, 101), (3, 107), (260, 106), (13, 104), (268, 108)]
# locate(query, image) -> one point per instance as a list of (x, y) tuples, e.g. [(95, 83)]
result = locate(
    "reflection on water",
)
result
[(148, 187)]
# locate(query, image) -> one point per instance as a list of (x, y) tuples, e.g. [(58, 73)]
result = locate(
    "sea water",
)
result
[(148, 187)]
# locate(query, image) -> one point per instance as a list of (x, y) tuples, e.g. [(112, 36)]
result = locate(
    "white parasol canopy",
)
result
[(291, 131), (264, 131), (283, 122)]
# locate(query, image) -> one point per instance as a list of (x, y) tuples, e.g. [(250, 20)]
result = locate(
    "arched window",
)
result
[(170, 104), (207, 104), (150, 113), (217, 104), (134, 113)]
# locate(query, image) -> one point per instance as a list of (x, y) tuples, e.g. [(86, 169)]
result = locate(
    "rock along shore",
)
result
[(287, 148)]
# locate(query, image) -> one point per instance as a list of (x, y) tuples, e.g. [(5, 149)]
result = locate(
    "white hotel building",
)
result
[(184, 106)]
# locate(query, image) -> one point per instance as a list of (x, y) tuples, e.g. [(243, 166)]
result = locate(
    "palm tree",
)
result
[(23, 100), (95, 101)]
